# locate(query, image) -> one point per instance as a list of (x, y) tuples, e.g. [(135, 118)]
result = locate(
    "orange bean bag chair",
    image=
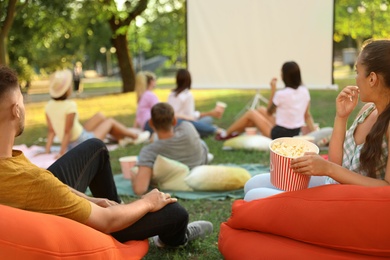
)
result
[(326, 222), (31, 235)]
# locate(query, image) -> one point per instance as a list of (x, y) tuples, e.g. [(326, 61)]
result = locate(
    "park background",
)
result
[(45, 36)]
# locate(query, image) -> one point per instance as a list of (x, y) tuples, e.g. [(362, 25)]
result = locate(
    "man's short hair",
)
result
[(8, 80), (162, 116)]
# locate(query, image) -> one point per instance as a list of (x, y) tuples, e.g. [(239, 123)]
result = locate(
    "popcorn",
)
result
[(282, 151), (289, 150)]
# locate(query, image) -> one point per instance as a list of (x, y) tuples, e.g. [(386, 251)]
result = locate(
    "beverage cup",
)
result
[(250, 130), (220, 107), (127, 163)]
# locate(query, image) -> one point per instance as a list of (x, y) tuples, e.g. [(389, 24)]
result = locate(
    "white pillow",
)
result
[(169, 174), (217, 178), (249, 142), (322, 136)]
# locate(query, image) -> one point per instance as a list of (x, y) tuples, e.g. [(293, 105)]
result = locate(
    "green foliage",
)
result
[(361, 19), (55, 34), (167, 31)]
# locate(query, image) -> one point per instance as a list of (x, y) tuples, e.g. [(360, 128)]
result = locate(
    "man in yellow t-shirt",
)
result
[(59, 190)]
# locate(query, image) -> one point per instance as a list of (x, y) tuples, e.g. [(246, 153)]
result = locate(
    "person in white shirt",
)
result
[(182, 101), (287, 111)]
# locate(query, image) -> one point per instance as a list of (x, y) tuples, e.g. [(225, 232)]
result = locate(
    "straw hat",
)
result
[(60, 82)]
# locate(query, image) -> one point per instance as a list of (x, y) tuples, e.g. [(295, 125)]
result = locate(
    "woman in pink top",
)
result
[(146, 99), (287, 111)]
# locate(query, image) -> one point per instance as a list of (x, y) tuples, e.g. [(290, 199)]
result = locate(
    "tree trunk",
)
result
[(125, 63), (120, 43), (3, 50), (4, 30)]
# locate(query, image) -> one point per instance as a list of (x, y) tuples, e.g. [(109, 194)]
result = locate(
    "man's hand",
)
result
[(157, 200)]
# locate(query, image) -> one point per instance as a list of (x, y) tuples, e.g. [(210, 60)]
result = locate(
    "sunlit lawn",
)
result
[(123, 106)]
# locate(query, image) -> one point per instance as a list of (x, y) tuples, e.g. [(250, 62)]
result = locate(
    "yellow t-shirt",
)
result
[(25, 186), (57, 110)]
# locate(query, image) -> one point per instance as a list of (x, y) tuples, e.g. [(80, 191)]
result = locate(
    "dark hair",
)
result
[(291, 74), (375, 56), (8, 80), (63, 97), (162, 116), (183, 81)]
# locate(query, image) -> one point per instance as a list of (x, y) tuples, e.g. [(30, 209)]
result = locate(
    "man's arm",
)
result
[(140, 181), (102, 202), (118, 217)]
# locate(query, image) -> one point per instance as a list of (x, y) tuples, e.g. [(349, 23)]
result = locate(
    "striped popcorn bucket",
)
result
[(282, 176)]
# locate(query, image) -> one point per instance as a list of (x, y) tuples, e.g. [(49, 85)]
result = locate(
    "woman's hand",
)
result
[(216, 113), (346, 101), (273, 84), (310, 164)]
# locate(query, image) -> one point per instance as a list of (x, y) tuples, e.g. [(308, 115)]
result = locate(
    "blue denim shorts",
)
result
[(85, 135)]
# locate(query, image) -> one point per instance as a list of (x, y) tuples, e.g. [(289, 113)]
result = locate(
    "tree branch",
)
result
[(11, 10), (141, 6)]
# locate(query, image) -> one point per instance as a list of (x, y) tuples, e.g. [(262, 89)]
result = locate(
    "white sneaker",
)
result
[(142, 137), (125, 141), (210, 157)]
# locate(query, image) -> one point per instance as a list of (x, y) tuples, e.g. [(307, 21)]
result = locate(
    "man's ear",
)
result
[(174, 121), (16, 110)]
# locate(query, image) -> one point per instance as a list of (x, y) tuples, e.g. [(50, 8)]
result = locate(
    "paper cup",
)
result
[(251, 130), (127, 163), (220, 106), (282, 176)]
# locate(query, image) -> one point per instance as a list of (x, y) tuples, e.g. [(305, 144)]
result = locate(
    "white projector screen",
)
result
[(243, 44)]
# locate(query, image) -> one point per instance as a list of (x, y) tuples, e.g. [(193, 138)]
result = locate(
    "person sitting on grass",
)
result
[(145, 83), (288, 109), (63, 122), (182, 101), (181, 143), (59, 190)]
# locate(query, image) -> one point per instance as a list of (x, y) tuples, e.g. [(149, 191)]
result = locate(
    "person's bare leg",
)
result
[(240, 124), (115, 128), (263, 110), (91, 124), (251, 118)]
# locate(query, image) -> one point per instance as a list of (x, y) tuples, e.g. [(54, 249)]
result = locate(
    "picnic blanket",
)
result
[(36, 154), (124, 186)]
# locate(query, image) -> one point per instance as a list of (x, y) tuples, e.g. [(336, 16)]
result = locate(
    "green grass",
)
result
[(123, 106)]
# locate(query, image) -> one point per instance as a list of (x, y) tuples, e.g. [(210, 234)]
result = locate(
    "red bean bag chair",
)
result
[(327, 222), (31, 235)]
